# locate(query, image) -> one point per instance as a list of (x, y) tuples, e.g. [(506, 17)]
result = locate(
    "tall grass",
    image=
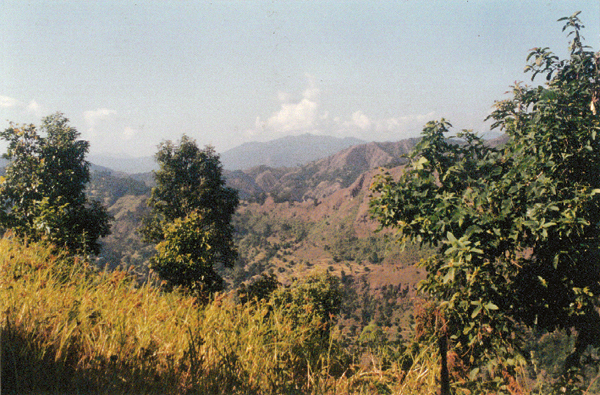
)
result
[(67, 328)]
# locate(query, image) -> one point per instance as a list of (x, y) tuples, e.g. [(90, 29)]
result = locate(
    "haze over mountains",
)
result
[(319, 178), (287, 151)]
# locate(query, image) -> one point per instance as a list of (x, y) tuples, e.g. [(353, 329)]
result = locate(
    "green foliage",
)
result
[(191, 217), (517, 229), (184, 257), (258, 290), (316, 299), (42, 195)]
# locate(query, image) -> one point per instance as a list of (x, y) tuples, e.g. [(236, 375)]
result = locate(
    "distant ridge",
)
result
[(290, 151), (319, 178), (325, 176), (124, 163)]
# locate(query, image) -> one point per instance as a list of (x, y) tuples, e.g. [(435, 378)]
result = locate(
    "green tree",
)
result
[(314, 300), (516, 228), (42, 195), (191, 217)]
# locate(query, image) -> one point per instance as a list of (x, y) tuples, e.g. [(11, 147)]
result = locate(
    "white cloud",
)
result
[(283, 96), (404, 124), (35, 108), (7, 102), (129, 133), (360, 120), (22, 109), (299, 116), (94, 117), (306, 115), (393, 128)]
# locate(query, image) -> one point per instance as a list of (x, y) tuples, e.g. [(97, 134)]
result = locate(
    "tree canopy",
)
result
[(42, 194), (191, 216), (516, 227)]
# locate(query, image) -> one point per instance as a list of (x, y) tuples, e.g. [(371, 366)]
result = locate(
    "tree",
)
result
[(191, 217), (516, 228), (42, 195), (316, 299)]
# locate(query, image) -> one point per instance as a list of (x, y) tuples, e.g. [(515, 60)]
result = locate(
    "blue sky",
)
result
[(132, 74)]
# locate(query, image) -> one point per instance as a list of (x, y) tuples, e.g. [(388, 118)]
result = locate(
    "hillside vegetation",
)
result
[(294, 239), (489, 285), (67, 328)]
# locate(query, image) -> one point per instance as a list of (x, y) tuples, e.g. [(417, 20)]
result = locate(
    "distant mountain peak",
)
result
[(288, 151)]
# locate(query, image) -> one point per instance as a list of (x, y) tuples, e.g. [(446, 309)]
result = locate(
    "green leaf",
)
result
[(477, 310), (451, 237), (421, 163), (449, 277)]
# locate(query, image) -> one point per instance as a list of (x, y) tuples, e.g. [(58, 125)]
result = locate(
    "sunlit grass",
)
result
[(67, 328)]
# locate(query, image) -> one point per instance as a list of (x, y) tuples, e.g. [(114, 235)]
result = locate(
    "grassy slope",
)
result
[(68, 329)]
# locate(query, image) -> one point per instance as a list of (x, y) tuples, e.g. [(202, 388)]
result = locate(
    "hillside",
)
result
[(285, 152), (293, 222), (320, 224), (320, 178)]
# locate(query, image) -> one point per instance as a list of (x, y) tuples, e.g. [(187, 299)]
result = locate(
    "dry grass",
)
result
[(69, 329)]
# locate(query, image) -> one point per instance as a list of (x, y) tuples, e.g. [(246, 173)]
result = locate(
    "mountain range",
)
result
[(319, 178), (289, 151)]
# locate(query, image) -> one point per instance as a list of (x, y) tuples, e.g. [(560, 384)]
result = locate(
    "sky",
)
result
[(131, 74)]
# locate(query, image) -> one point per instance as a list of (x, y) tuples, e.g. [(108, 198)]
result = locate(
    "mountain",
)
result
[(285, 152), (293, 238), (319, 178), (124, 163)]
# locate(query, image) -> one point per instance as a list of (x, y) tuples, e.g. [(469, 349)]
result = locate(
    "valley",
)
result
[(294, 222)]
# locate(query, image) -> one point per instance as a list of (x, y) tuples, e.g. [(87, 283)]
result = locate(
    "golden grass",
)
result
[(69, 329)]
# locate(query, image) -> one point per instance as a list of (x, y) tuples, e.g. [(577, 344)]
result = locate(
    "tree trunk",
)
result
[(444, 375)]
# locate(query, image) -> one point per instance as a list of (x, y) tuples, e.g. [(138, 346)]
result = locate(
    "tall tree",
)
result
[(191, 217), (42, 194), (517, 229)]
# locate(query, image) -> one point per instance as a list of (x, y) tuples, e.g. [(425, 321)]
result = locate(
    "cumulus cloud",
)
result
[(295, 116), (360, 120), (94, 117), (305, 114), (403, 124), (365, 127), (35, 108), (8, 102)]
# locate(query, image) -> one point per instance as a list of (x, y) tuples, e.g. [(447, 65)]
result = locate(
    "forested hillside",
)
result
[(293, 222), (293, 238)]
